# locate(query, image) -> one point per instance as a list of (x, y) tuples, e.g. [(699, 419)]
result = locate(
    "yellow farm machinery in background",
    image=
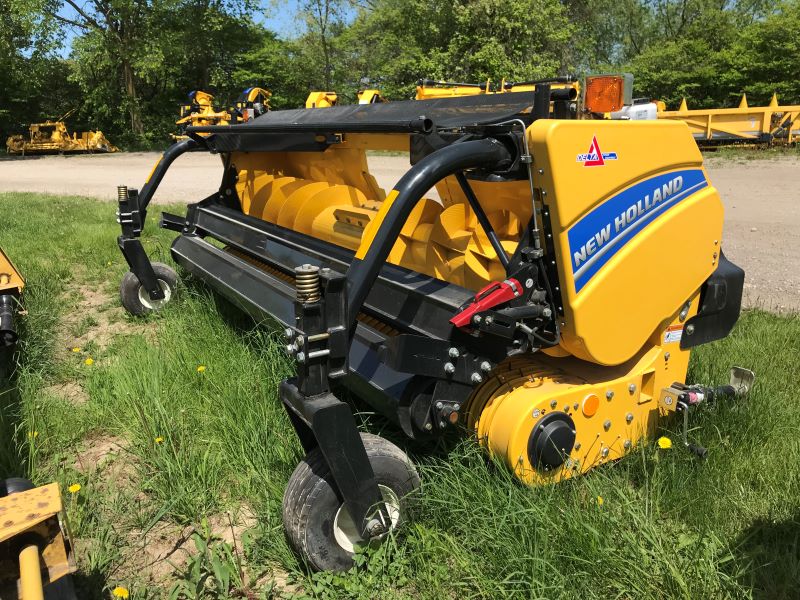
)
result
[(772, 124), (761, 125), (200, 110), (537, 278), (52, 137), (322, 100)]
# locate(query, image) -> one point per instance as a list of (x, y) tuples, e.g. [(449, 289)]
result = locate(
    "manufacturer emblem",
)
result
[(596, 157)]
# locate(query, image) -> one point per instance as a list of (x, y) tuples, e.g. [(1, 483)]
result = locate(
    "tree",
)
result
[(33, 79), (324, 20), (117, 29)]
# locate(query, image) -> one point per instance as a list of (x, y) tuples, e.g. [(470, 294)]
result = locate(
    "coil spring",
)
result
[(306, 281), (122, 193)]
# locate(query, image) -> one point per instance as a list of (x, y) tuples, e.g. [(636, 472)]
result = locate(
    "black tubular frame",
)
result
[(169, 156), (486, 153)]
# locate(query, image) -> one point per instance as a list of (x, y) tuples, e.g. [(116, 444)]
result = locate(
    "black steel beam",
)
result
[(407, 300)]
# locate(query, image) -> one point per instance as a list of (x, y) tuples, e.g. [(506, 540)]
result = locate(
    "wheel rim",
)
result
[(345, 531), (151, 304)]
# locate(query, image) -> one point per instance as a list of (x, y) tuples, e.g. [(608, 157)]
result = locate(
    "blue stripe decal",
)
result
[(603, 232)]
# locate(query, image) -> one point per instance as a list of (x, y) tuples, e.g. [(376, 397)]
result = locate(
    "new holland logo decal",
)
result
[(596, 157)]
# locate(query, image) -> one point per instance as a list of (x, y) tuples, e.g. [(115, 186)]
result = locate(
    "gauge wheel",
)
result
[(135, 298), (316, 523)]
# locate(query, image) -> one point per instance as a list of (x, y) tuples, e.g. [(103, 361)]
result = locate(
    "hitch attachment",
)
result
[(681, 398)]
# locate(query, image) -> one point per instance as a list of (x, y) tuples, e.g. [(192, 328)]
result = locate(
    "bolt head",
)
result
[(666, 355), (629, 417), (529, 283), (604, 452), (553, 403), (439, 406), (301, 357), (632, 388), (374, 527), (607, 425), (578, 446), (288, 333), (449, 368), (626, 444), (486, 366), (609, 395), (428, 426), (476, 378), (477, 319), (453, 353), (689, 329)]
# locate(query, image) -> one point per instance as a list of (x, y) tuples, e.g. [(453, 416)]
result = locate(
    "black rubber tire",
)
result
[(310, 502), (129, 289), (15, 485)]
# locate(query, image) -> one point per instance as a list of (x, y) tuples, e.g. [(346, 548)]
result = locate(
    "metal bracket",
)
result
[(320, 346)]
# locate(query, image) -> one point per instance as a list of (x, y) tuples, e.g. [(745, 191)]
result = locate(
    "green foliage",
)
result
[(214, 571), (132, 62)]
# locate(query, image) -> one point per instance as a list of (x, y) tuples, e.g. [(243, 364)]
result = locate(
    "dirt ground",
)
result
[(762, 201)]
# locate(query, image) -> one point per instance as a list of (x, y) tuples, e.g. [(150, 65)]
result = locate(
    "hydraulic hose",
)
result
[(377, 244)]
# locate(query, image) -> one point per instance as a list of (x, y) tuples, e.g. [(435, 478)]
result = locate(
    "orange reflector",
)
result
[(453, 418), (590, 405), (604, 93)]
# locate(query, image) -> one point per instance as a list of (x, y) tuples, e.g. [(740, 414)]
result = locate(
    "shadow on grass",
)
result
[(771, 553), (90, 585)]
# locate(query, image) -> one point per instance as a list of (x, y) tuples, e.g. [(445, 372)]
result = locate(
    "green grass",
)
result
[(199, 444)]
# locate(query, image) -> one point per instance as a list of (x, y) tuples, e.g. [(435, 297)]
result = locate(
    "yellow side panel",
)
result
[(10, 279), (24, 510), (636, 228)]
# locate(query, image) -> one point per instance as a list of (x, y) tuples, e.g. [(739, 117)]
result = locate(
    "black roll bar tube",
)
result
[(486, 153), (152, 183)]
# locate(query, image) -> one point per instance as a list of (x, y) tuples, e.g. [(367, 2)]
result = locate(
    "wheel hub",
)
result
[(347, 534), (151, 304)]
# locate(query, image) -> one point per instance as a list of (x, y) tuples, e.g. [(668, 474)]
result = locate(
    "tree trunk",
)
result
[(130, 91)]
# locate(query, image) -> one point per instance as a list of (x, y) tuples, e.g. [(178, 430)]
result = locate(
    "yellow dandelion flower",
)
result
[(74, 488), (600, 501), (664, 443), (89, 361), (201, 368), (120, 592), (159, 439), (76, 349), (33, 434)]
